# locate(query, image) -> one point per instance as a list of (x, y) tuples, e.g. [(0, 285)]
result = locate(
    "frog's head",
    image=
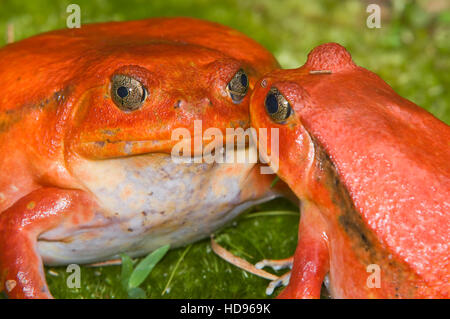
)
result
[(122, 88), (141, 89), (282, 98), (150, 93)]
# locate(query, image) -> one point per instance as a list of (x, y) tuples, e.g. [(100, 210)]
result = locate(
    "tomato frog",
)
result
[(371, 170), (86, 117)]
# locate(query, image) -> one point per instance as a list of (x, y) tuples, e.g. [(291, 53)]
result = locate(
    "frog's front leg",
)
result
[(311, 258), (21, 267)]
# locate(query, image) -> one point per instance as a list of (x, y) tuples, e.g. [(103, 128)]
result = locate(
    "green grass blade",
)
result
[(275, 180), (146, 265), (127, 269), (272, 213), (175, 269)]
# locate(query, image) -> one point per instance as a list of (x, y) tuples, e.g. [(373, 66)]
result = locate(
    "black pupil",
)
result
[(271, 103), (122, 92), (244, 80)]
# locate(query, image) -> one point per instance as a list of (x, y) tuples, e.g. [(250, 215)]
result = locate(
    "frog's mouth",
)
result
[(222, 149)]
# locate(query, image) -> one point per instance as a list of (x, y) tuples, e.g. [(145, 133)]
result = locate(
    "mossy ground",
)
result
[(411, 51)]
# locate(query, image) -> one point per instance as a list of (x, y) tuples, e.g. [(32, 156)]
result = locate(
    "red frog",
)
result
[(372, 172), (86, 117)]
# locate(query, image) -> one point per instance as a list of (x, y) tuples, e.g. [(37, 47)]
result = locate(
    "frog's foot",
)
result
[(281, 281), (277, 264), (245, 265), (21, 268)]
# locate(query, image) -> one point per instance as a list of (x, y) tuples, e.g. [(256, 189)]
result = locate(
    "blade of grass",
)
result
[(275, 180), (146, 265), (127, 269), (175, 269), (272, 213)]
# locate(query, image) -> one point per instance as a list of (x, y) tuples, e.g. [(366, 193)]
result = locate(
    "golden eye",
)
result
[(238, 86), (127, 93), (277, 106)]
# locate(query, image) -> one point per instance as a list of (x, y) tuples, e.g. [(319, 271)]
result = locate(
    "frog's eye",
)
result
[(238, 86), (277, 106), (127, 93)]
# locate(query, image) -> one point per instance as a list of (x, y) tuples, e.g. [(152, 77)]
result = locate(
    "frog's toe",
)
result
[(276, 264), (281, 281)]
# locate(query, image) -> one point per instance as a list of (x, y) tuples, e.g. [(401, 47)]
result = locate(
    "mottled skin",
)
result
[(372, 172), (80, 179)]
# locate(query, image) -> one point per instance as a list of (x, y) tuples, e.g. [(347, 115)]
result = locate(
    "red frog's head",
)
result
[(374, 164), (282, 96)]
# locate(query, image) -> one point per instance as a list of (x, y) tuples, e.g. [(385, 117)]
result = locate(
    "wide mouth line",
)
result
[(190, 150), (224, 138)]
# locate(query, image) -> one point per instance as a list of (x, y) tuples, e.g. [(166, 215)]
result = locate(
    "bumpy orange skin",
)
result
[(372, 171), (55, 108)]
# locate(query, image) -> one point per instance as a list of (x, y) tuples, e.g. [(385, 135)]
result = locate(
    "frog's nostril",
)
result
[(192, 104)]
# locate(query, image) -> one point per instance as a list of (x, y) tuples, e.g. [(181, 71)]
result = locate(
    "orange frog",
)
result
[(372, 171), (86, 117)]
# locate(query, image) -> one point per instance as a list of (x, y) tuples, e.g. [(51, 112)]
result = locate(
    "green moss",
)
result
[(411, 52)]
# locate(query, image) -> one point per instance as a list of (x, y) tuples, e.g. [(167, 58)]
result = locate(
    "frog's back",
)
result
[(392, 156)]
